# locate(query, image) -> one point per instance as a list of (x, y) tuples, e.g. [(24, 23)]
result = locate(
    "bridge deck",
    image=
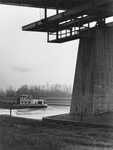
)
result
[(68, 25), (52, 4), (55, 23)]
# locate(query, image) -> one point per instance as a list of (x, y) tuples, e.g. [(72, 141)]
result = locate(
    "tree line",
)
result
[(55, 90)]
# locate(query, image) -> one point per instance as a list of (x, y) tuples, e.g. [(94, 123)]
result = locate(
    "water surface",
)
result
[(37, 113)]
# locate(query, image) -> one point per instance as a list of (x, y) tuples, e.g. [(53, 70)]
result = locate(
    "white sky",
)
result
[(26, 57)]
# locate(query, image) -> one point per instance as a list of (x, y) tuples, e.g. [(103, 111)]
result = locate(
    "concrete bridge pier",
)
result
[(93, 83)]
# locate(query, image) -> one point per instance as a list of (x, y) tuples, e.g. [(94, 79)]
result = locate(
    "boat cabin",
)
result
[(27, 99)]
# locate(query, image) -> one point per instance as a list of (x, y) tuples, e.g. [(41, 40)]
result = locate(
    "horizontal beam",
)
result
[(50, 4), (66, 39), (83, 34), (53, 4), (80, 22), (57, 18), (51, 23)]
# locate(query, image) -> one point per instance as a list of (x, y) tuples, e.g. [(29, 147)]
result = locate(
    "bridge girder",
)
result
[(50, 4), (68, 25)]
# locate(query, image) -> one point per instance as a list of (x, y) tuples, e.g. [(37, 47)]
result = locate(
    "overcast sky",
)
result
[(26, 57)]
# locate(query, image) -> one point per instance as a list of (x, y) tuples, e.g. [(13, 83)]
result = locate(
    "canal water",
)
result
[(37, 113)]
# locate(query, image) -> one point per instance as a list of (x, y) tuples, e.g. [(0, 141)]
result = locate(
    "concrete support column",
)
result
[(93, 83)]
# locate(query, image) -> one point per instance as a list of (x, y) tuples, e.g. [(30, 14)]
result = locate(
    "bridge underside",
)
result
[(50, 4), (72, 23)]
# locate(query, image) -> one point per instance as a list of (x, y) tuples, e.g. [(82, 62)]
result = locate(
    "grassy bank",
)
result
[(26, 134)]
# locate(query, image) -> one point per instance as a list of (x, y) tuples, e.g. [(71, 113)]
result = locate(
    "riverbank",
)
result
[(20, 134)]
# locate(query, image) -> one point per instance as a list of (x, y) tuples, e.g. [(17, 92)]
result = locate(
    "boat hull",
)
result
[(18, 106), (29, 106)]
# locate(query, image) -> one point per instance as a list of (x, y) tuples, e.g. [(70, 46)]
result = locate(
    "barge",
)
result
[(22, 102)]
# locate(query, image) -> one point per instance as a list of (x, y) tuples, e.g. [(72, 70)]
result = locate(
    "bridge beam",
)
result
[(93, 83)]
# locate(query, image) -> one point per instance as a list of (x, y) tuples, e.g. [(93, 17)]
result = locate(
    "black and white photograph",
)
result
[(56, 74)]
